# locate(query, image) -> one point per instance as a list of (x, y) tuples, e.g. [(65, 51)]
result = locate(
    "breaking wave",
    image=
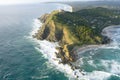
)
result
[(109, 67)]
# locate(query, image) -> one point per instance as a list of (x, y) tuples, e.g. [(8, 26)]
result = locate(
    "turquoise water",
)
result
[(103, 63), (20, 60)]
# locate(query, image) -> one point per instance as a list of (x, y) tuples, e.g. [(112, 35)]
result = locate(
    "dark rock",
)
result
[(106, 40)]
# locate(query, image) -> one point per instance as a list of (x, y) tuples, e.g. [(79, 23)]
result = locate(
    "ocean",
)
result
[(25, 58)]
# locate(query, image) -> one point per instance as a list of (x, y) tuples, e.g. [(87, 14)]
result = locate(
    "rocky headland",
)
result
[(76, 31)]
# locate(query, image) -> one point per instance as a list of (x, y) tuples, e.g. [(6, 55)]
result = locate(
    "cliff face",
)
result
[(75, 29), (56, 32)]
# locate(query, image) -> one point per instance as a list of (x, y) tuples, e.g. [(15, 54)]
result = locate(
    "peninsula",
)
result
[(73, 30)]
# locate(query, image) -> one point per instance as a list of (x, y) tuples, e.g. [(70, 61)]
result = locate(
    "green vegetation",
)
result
[(79, 28), (87, 24)]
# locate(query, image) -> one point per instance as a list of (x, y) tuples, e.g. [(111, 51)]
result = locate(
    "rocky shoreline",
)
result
[(70, 45)]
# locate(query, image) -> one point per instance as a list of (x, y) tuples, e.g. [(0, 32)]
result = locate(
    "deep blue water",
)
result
[(19, 60)]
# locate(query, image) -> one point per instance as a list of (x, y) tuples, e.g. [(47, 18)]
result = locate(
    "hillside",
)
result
[(79, 28)]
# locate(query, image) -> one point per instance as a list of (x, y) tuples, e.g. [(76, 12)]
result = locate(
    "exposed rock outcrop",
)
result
[(71, 30)]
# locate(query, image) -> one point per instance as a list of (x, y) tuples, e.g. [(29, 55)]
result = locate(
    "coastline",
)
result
[(70, 69), (83, 49), (56, 29), (47, 48), (106, 32)]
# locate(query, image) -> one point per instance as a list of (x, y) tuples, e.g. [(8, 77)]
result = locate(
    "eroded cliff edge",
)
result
[(76, 29)]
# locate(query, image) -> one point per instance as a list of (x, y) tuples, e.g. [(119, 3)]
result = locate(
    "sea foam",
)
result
[(112, 65), (48, 50)]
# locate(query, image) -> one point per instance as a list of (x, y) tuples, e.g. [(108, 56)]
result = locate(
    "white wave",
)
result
[(65, 7), (98, 75), (112, 66), (113, 33), (91, 62), (36, 26), (95, 75), (115, 68), (48, 50), (110, 46)]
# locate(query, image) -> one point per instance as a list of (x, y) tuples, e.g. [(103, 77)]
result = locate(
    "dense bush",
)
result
[(87, 24)]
